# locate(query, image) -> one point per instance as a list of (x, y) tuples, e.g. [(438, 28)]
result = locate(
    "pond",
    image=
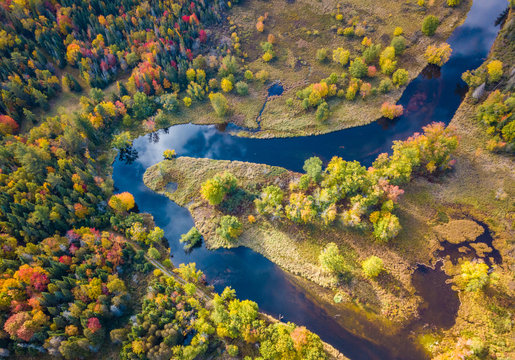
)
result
[(433, 96)]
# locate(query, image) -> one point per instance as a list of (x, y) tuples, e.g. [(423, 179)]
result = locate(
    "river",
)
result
[(433, 96)]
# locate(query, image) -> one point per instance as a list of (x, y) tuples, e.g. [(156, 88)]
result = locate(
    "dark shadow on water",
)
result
[(440, 303)]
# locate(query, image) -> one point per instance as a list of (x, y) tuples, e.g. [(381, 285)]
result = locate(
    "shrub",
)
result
[(386, 226), (398, 31), (438, 55), (153, 253), (248, 75), (371, 53), (453, 3), (226, 85), (322, 54), (262, 76), (268, 56), (215, 189), (429, 25), (187, 101), (348, 31), (313, 168), (341, 56), (474, 78), (242, 88), (270, 201), (365, 89), (372, 266), (357, 68), (399, 44), (494, 71), (169, 154), (213, 83), (385, 86), (219, 103), (400, 77), (352, 89), (191, 239), (331, 260), (229, 228), (387, 60), (322, 112), (474, 276), (391, 111)]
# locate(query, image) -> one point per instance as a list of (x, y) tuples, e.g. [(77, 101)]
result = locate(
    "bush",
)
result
[(270, 201), (187, 101), (398, 31), (169, 154), (191, 239), (219, 103), (453, 3), (399, 44), (385, 86), (371, 53), (341, 56), (400, 77), (215, 189), (322, 112), (230, 228), (391, 111), (357, 68), (494, 71), (438, 55), (153, 253), (248, 75), (387, 60), (226, 85), (313, 168), (331, 260), (242, 88), (474, 276), (372, 266), (322, 54), (262, 76), (429, 25)]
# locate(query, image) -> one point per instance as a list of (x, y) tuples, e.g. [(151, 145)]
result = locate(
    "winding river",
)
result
[(433, 96)]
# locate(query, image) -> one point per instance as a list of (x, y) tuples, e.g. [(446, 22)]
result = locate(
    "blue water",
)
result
[(426, 99)]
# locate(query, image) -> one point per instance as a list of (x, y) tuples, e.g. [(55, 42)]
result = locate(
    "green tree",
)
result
[(399, 44), (358, 68), (215, 189), (331, 260), (313, 168), (400, 77), (230, 228), (153, 253), (219, 103), (429, 25), (143, 107)]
